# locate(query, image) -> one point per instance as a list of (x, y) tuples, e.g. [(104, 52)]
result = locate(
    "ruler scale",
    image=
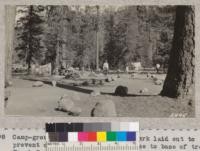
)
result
[(117, 136), (92, 147)]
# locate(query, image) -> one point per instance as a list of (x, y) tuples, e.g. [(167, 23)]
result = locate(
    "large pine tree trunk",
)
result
[(179, 82), (10, 24)]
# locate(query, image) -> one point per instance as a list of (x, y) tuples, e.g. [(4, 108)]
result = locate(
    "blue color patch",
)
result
[(131, 136), (121, 136)]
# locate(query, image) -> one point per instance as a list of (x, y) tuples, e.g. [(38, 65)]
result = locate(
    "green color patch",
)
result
[(111, 136)]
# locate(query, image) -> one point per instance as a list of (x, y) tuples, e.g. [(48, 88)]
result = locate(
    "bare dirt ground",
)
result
[(41, 101)]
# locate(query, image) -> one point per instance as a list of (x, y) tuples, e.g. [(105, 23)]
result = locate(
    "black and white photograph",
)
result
[(100, 61)]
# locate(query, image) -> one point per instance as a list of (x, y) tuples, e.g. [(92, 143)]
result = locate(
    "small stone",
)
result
[(155, 79), (158, 82), (148, 75), (152, 76), (108, 79), (38, 84), (121, 91), (95, 93), (145, 90)]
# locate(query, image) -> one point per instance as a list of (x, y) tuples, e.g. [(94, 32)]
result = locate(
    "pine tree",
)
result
[(30, 34)]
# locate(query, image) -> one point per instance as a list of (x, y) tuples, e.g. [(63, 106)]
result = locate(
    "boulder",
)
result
[(65, 104), (38, 84), (121, 91), (104, 108)]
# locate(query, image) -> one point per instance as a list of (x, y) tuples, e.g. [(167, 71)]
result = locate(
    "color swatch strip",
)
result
[(92, 132), (91, 136)]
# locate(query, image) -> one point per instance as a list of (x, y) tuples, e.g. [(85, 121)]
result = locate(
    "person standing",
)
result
[(127, 69), (105, 67), (157, 67)]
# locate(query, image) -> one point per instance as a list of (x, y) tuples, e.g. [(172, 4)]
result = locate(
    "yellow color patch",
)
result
[(101, 136)]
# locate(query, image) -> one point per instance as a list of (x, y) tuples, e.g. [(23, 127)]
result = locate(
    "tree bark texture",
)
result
[(179, 82)]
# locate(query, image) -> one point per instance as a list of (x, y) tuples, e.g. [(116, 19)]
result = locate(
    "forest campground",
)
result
[(72, 44)]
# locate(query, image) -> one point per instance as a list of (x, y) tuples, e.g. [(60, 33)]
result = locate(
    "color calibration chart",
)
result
[(118, 136)]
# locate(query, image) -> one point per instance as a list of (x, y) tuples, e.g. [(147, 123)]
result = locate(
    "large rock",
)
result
[(38, 84), (65, 104), (121, 91), (104, 108)]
